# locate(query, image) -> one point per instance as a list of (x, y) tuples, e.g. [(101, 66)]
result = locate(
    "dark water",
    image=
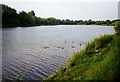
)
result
[(34, 52)]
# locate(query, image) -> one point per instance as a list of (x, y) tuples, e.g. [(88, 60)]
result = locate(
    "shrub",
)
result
[(117, 27), (117, 40)]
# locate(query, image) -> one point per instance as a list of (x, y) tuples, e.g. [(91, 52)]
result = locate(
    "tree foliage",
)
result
[(10, 18)]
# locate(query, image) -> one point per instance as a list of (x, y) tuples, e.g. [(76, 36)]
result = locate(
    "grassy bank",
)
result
[(99, 60)]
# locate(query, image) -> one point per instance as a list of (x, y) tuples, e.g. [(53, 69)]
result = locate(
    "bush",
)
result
[(117, 27)]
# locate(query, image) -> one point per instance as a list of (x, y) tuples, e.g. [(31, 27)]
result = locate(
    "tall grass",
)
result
[(102, 40), (71, 60), (98, 61), (98, 43), (60, 71)]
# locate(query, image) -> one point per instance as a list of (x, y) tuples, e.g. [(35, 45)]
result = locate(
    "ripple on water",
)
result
[(10, 73), (27, 56)]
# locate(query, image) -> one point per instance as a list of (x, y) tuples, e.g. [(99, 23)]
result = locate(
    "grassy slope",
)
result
[(98, 61)]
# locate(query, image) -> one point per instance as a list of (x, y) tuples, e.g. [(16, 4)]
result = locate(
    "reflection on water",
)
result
[(34, 52)]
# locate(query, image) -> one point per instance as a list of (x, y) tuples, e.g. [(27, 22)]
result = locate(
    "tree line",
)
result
[(10, 18)]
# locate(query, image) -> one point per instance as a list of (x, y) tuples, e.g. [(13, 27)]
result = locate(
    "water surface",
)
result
[(34, 52)]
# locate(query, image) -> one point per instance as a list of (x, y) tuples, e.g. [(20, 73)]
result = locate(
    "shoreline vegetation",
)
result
[(10, 18), (99, 60)]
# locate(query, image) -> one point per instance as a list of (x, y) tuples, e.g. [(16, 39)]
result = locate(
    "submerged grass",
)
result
[(98, 61)]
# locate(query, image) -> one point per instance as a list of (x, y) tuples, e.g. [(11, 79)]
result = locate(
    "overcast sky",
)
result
[(72, 9)]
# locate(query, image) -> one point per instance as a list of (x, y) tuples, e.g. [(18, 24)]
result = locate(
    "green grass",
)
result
[(99, 60)]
